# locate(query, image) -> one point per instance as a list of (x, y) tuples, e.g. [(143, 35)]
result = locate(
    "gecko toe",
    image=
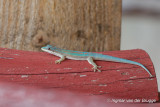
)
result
[(99, 70), (57, 62), (98, 66), (94, 69)]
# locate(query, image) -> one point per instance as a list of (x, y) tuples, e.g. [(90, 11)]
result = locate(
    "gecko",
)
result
[(89, 56)]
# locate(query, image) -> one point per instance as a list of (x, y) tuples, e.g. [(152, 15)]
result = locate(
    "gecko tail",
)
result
[(145, 69), (135, 63), (139, 64)]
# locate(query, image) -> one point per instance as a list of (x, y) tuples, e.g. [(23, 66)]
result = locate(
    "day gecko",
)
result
[(89, 56)]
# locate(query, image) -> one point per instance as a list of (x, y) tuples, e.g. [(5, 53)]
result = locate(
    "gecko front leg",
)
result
[(60, 60), (95, 67)]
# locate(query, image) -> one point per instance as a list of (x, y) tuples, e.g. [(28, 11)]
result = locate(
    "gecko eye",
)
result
[(49, 48)]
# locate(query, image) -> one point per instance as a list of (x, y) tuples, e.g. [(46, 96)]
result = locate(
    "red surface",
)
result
[(17, 96), (116, 81)]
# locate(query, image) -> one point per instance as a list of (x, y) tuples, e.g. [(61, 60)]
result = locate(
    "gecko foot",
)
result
[(95, 68), (57, 62)]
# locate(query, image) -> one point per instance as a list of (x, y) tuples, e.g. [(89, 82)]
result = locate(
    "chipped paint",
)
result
[(83, 75), (100, 91), (133, 77), (85, 68), (104, 85), (124, 73), (46, 77), (61, 78), (74, 73), (27, 67), (6, 58), (46, 71), (130, 81), (24, 76), (93, 80), (58, 69), (16, 54)]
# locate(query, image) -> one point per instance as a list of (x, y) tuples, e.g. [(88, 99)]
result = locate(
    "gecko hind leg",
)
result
[(95, 67)]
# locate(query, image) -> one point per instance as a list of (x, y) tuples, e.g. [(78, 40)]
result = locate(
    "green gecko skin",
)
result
[(89, 56)]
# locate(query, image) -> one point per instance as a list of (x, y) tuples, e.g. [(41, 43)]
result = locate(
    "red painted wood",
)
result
[(116, 81), (19, 96)]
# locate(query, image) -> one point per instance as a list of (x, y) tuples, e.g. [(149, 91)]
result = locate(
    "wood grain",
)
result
[(117, 80), (88, 25)]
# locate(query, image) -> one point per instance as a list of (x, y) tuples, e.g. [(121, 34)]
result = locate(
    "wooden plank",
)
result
[(30, 24), (117, 80)]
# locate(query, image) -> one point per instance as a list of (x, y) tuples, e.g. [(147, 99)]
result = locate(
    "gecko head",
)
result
[(47, 48)]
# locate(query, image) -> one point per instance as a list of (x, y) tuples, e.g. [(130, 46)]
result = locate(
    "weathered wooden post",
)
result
[(91, 25)]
